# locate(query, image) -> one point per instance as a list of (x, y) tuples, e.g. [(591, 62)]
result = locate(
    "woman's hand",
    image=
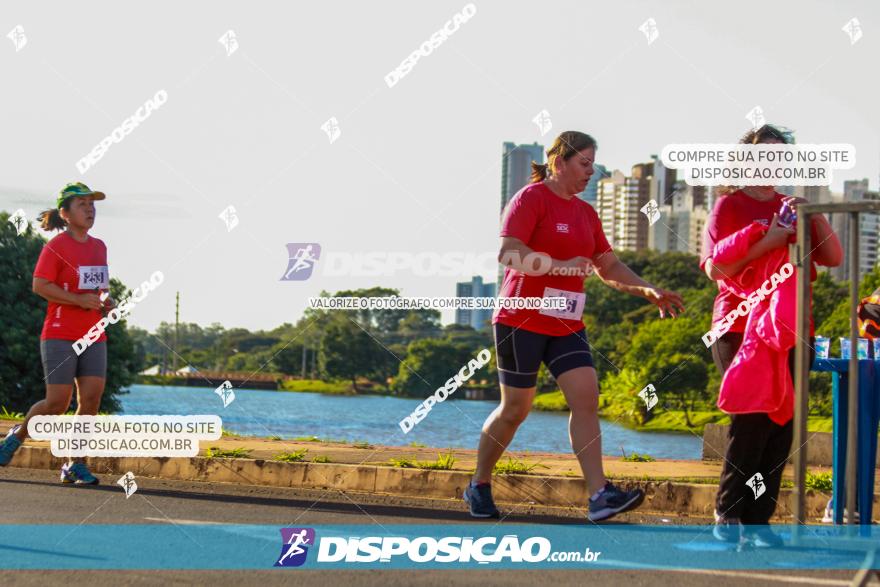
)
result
[(109, 303), (777, 235), (664, 299), (793, 201), (89, 301)]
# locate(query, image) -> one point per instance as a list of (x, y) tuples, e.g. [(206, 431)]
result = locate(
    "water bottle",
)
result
[(787, 215)]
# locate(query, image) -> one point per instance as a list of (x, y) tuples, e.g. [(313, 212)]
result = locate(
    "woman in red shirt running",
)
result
[(71, 274), (756, 443), (550, 239)]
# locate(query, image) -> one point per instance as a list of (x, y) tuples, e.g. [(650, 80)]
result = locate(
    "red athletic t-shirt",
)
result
[(77, 267), (563, 229), (731, 213)]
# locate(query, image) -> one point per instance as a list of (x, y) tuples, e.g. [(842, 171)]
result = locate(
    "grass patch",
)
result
[(219, 453), (275, 437), (313, 438), (403, 463), (362, 444), (820, 481), (296, 456), (321, 459), (415, 444), (7, 415), (635, 457), (553, 401), (229, 433), (516, 467), (820, 424), (443, 463), (317, 386)]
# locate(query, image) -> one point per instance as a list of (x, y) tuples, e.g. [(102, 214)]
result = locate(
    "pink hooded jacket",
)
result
[(758, 379)]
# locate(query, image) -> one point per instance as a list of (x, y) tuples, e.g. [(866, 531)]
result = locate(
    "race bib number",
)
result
[(94, 277), (574, 303)]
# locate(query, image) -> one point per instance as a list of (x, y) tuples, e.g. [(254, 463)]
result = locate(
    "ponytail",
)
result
[(51, 219), (539, 172)]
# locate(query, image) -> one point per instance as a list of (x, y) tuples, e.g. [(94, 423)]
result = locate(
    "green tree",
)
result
[(21, 372), (428, 364)]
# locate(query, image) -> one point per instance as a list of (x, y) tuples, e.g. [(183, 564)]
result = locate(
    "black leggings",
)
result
[(757, 445)]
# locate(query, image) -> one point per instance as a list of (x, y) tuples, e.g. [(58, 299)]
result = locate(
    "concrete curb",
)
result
[(563, 492)]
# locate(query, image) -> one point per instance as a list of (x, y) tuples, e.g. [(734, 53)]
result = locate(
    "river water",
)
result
[(374, 419)]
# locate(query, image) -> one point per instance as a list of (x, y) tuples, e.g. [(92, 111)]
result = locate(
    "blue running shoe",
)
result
[(8, 447), (77, 473), (13, 430), (763, 537), (479, 500), (728, 530), (613, 501)]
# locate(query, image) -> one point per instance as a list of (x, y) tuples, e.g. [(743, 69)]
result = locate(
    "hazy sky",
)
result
[(416, 166)]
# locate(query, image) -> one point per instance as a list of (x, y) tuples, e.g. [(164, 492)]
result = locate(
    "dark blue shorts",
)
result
[(519, 353)]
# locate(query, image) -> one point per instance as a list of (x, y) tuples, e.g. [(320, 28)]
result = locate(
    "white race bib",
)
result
[(574, 303), (94, 277)]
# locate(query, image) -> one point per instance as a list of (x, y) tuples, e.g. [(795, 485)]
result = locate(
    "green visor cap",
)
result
[(77, 189)]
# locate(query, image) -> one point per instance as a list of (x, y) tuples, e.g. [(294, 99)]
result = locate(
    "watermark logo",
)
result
[(127, 483), (295, 546), (301, 262), (18, 38), (756, 483), (229, 217), (125, 436), (652, 211), (748, 304), (124, 129), (118, 313), (440, 395), (422, 549), (426, 48), (226, 393), (649, 395), (331, 127), (711, 164), (19, 221), (854, 30), (229, 42), (544, 122), (756, 117), (650, 30)]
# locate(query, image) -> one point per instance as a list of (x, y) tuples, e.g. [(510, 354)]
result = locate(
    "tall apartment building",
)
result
[(620, 199), (475, 288), (516, 168), (682, 220), (868, 229)]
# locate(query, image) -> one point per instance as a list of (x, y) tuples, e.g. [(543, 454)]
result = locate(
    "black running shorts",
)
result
[(519, 353)]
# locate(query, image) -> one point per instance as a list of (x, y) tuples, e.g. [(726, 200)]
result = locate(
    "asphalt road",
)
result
[(36, 497)]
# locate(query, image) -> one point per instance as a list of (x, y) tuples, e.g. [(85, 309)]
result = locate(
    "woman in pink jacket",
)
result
[(757, 445)]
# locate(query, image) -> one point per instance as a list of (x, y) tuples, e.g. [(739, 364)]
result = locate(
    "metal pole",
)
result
[(800, 258), (852, 411)]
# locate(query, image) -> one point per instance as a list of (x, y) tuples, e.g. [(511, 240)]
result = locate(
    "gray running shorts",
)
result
[(61, 363)]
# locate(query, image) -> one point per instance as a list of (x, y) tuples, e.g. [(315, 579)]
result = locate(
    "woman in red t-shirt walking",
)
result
[(550, 239), (756, 443), (71, 274)]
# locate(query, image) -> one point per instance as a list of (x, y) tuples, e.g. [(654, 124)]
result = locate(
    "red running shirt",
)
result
[(731, 213), (563, 229), (79, 268)]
